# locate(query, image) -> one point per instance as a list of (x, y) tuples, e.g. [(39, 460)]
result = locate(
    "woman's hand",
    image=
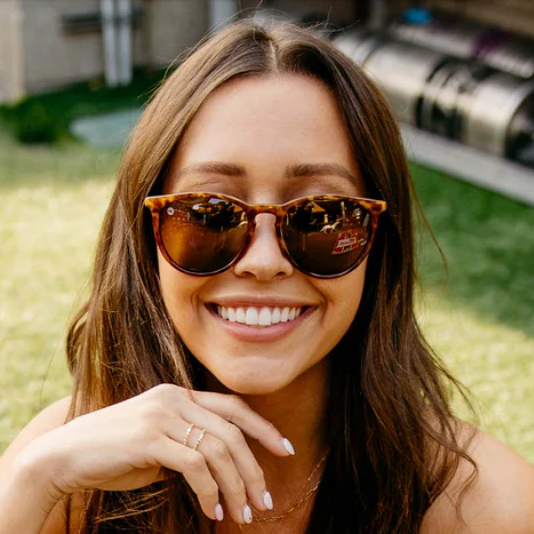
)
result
[(125, 446)]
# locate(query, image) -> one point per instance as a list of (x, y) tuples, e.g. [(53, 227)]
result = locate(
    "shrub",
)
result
[(32, 122), (45, 117)]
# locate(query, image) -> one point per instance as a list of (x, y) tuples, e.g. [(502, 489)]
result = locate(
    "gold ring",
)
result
[(199, 439), (187, 434)]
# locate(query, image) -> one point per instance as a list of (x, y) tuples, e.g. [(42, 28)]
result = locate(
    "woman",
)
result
[(249, 360)]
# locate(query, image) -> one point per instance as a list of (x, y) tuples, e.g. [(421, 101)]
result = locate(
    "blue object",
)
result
[(417, 16)]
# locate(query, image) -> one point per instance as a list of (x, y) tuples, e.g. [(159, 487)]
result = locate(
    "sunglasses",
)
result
[(206, 233)]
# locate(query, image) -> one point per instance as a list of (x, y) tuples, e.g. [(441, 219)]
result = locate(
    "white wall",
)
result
[(11, 56)]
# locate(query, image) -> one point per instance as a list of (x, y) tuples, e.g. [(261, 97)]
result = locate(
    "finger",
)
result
[(220, 464), (235, 410), (228, 478), (193, 467), (233, 439)]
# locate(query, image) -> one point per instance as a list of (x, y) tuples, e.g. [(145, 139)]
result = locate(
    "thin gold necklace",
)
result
[(300, 501)]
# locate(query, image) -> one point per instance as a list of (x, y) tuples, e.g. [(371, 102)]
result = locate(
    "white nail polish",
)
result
[(268, 500), (247, 514), (219, 514), (287, 446)]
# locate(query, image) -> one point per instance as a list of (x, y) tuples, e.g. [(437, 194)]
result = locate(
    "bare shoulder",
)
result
[(51, 417), (501, 499)]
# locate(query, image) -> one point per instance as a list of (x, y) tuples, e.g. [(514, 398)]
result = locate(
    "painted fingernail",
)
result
[(219, 514), (247, 514), (287, 446), (268, 500)]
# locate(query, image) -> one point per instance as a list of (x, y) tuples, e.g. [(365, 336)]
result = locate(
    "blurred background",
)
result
[(459, 74)]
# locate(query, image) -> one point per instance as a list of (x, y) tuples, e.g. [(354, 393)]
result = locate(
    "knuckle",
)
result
[(195, 462), (163, 390), (220, 450), (266, 428), (257, 476), (171, 394), (210, 491), (234, 434), (179, 390), (270, 427), (237, 490)]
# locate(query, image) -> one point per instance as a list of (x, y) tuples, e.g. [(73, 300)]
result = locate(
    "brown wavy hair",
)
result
[(394, 446)]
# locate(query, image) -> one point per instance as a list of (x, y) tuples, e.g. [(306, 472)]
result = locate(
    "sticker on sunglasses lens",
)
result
[(348, 241)]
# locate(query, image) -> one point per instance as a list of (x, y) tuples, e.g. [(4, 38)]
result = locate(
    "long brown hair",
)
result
[(393, 448)]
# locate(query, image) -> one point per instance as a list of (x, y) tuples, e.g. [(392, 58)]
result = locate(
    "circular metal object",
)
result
[(430, 116), (461, 99), (520, 145), (402, 70), (441, 111), (490, 110)]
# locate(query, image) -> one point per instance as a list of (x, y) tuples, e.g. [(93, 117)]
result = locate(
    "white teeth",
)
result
[(231, 314), (265, 317), (240, 316), (251, 317), (258, 316)]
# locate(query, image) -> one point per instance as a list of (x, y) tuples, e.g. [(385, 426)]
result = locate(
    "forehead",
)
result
[(266, 125)]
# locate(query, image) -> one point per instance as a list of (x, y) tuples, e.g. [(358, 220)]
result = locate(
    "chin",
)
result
[(247, 383), (253, 389)]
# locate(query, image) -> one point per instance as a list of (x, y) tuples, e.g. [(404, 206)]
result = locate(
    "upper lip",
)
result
[(237, 301)]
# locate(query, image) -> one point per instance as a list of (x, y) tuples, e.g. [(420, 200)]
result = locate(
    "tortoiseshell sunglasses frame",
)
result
[(156, 203)]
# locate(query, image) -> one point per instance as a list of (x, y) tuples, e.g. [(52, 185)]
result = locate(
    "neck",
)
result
[(298, 411)]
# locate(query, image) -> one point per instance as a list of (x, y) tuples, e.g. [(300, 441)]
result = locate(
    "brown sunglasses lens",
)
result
[(327, 237), (203, 234)]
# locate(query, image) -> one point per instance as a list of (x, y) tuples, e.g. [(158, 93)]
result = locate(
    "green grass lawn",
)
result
[(53, 201), (479, 319)]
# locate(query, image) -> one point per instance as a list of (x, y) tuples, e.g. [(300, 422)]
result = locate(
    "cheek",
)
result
[(179, 293), (344, 296)]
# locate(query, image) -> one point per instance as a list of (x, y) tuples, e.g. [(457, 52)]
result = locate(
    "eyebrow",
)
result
[(292, 171)]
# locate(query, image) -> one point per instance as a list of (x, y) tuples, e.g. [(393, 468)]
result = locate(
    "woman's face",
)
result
[(263, 125)]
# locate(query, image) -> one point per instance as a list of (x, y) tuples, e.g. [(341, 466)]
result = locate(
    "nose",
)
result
[(264, 259)]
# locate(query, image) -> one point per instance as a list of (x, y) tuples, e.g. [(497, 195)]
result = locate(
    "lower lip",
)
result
[(245, 332)]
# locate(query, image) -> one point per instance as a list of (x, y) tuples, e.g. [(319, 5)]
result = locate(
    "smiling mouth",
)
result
[(260, 317)]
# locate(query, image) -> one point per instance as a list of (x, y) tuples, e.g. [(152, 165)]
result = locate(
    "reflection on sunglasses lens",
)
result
[(323, 236), (327, 237), (203, 235)]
